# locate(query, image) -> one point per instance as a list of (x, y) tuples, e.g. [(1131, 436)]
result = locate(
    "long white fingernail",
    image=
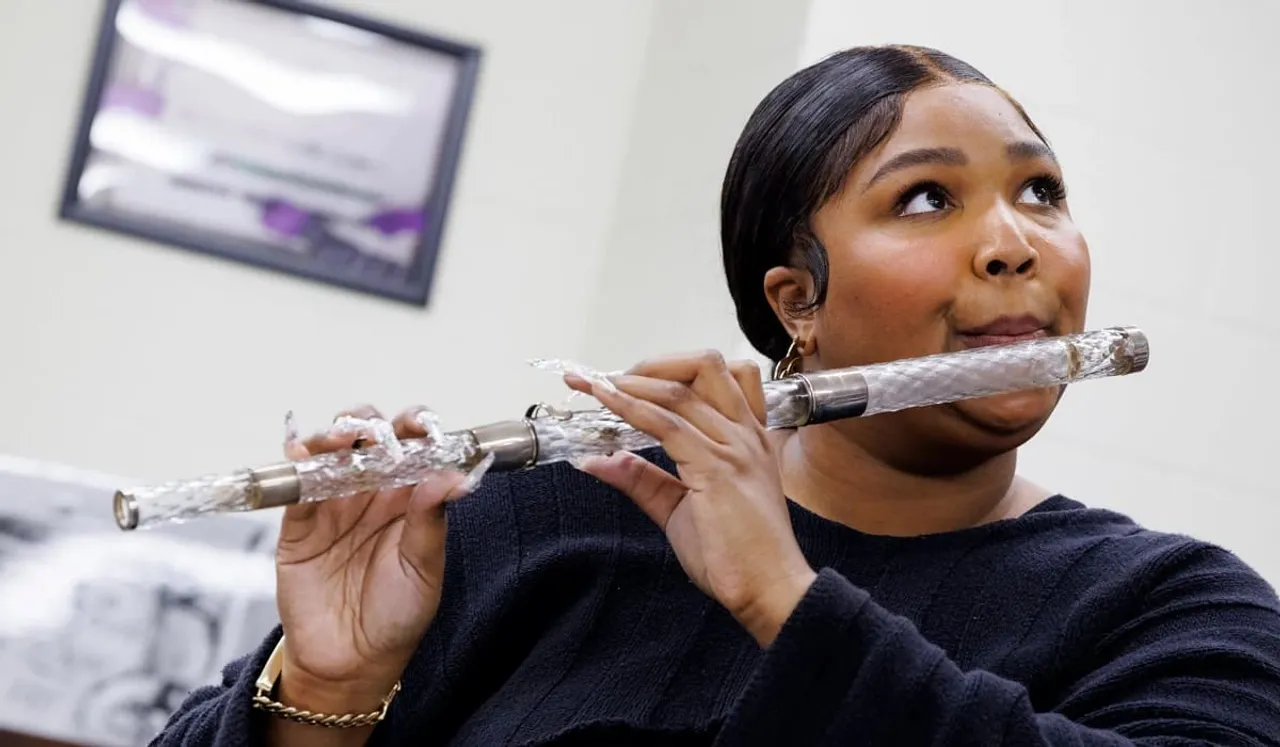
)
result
[(562, 367), (376, 430), (346, 424), (476, 474), (290, 428), (430, 422), (385, 434)]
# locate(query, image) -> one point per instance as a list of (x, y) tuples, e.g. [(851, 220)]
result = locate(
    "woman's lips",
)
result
[(987, 340)]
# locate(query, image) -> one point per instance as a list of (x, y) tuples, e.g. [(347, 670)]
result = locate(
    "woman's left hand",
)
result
[(726, 516)]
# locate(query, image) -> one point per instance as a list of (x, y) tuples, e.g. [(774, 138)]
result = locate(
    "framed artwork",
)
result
[(277, 133)]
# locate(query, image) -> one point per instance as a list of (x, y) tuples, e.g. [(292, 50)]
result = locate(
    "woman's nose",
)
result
[(1005, 252)]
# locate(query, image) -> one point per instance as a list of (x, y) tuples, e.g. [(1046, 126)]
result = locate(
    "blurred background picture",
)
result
[(101, 639), (274, 134)]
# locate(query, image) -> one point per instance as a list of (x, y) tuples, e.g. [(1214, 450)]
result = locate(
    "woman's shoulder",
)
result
[(1121, 529), (1130, 559)]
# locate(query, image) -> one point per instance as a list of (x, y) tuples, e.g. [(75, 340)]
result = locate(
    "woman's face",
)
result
[(953, 234)]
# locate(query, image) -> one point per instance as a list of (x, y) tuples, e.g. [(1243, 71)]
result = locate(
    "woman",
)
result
[(881, 204)]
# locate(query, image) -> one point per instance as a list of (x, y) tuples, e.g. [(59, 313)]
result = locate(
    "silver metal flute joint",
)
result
[(835, 395), (513, 444), (277, 485)]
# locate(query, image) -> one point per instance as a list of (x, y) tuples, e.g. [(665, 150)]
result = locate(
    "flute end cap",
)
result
[(125, 507), (1138, 347)]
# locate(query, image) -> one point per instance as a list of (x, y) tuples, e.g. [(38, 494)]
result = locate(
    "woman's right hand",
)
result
[(358, 581)]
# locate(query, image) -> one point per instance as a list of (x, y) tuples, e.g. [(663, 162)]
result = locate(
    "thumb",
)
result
[(656, 491), (422, 541)]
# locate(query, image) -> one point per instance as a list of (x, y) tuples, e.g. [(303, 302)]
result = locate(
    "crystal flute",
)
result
[(545, 435)]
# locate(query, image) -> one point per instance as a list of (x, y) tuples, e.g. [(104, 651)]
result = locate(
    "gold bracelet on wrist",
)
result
[(267, 684)]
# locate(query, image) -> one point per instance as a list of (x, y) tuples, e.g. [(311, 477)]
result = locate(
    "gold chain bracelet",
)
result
[(267, 683)]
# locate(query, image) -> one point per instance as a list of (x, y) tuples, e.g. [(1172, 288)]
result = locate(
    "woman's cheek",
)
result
[(1067, 263), (888, 307), (908, 287)]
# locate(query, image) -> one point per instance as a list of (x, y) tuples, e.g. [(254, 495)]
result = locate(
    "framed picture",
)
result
[(277, 133)]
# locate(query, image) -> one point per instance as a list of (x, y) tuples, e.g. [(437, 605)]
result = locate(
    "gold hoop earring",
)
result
[(790, 363)]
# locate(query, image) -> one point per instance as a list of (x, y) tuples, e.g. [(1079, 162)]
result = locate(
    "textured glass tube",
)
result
[(334, 475), (183, 500), (982, 372), (584, 434)]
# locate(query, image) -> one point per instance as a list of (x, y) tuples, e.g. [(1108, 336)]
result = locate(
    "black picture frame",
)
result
[(409, 282)]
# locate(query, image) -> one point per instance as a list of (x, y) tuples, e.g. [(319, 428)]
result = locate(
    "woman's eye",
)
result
[(927, 200), (1042, 192)]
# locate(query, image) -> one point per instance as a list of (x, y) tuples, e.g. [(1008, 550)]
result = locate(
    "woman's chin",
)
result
[(1015, 414)]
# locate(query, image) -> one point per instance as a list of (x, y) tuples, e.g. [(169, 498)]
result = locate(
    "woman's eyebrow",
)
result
[(1027, 150), (1022, 150), (918, 157)]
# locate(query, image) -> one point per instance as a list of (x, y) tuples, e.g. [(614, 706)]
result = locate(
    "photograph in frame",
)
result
[(276, 133)]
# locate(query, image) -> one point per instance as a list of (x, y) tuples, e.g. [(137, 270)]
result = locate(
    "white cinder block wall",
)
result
[(1164, 116)]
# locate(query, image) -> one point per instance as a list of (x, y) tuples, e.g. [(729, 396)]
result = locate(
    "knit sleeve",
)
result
[(222, 715), (1199, 664)]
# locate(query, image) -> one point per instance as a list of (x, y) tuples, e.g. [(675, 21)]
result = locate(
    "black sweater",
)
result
[(566, 620)]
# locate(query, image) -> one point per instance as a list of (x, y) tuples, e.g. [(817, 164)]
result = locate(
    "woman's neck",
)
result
[(829, 474)]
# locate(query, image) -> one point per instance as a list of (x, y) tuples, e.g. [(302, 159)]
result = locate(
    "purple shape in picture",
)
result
[(284, 218), (144, 101), (391, 222), (175, 13)]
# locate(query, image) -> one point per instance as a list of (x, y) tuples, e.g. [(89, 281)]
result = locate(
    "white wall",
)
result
[(150, 362), (585, 225), (1164, 116), (662, 288)]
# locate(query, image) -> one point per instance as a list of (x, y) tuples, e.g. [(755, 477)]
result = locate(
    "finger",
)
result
[(747, 374), (409, 423), (708, 374), (295, 451), (683, 442), (422, 541), (361, 412), (654, 490), (337, 439), (672, 395), (323, 443), (682, 400), (577, 383)]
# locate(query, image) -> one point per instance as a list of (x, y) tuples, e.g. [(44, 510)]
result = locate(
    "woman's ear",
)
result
[(789, 289)]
